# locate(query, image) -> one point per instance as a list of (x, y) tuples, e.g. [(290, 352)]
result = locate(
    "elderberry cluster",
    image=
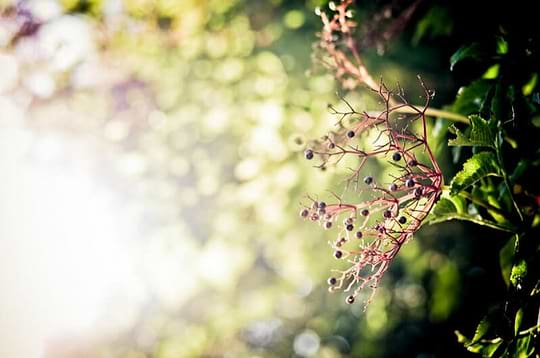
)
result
[(370, 232)]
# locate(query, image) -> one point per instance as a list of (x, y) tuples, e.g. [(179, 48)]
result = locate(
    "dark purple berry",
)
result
[(396, 157), (418, 192), (308, 154), (409, 183), (350, 299), (350, 227), (322, 205), (402, 219), (368, 180), (359, 234), (347, 221), (332, 281), (412, 163), (304, 213), (338, 254), (365, 212), (321, 211), (328, 225), (387, 214), (331, 145), (350, 134), (393, 187)]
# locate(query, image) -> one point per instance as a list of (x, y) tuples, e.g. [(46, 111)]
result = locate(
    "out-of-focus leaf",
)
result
[(506, 257), (520, 169), (495, 214), (529, 87), (478, 166), (503, 102), (470, 98), (525, 347), (456, 154), (504, 200), (436, 22), (518, 320), (445, 291), (502, 45), (472, 51), (492, 72), (481, 133)]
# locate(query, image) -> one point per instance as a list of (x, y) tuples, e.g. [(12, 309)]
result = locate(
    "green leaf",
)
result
[(445, 291), (437, 22), (518, 320), (525, 347), (482, 133), (485, 349), (478, 166), (446, 210), (495, 214), (506, 257), (460, 204), (489, 349), (519, 271), (472, 51), (471, 98), (444, 207), (481, 330), (502, 105), (520, 169), (461, 338), (528, 88), (502, 45), (492, 72)]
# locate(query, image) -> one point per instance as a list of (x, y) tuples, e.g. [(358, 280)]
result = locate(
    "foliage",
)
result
[(497, 185), (195, 114), (494, 185), (493, 182)]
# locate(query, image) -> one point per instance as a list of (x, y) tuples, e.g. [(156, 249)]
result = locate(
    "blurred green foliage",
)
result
[(200, 111)]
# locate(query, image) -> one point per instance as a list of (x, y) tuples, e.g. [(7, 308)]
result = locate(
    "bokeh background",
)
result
[(151, 174)]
